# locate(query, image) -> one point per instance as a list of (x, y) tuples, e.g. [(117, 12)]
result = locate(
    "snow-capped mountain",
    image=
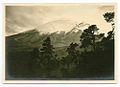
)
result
[(61, 25), (56, 26), (61, 32)]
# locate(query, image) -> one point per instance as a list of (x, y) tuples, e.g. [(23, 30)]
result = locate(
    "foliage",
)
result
[(109, 16), (88, 36), (47, 50), (72, 53), (43, 62)]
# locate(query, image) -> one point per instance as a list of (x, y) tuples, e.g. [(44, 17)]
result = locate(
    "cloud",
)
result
[(107, 8), (22, 18)]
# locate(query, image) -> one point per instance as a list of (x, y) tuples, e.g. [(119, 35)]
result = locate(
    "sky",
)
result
[(20, 18)]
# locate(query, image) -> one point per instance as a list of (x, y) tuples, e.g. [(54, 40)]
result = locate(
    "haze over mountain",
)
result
[(59, 41), (22, 18), (60, 25), (61, 32)]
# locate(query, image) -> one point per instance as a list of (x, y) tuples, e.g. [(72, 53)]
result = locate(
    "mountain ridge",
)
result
[(34, 38)]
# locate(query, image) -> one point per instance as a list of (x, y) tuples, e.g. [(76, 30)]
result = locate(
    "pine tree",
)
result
[(47, 51), (88, 37), (47, 62), (109, 17), (72, 56)]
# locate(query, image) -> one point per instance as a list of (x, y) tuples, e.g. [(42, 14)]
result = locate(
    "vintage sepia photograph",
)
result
[(60, 42)]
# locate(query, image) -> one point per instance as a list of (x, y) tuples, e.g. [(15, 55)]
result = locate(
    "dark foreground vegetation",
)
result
[(92, 58)]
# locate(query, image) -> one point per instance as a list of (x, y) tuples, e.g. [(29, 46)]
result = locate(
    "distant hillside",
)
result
[(32, 38), (62, 35)]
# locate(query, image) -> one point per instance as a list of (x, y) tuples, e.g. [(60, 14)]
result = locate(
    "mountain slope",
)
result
[(34, 38)]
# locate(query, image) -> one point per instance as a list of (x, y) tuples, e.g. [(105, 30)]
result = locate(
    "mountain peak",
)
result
[(60, 25), (56, 26)]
